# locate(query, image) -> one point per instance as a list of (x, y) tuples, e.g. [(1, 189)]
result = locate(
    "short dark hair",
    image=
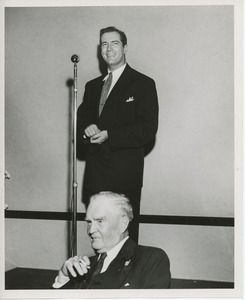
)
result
[(123, 37)]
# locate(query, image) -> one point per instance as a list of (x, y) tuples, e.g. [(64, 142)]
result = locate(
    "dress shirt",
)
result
[(112, 254), (115, 76)]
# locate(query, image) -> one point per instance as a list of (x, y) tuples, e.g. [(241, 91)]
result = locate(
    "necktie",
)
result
[(105, 91), (99, 265)]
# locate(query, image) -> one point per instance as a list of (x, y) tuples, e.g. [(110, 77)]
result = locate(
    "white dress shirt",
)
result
[(115, 76), (112, 254)]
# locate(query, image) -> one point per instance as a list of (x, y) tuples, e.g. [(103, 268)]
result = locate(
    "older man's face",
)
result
[(103, 224)]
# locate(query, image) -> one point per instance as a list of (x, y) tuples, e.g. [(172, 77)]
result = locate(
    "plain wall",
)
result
[(188, 50)]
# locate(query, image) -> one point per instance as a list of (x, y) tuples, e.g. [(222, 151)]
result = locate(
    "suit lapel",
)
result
[(125, 79), (122, 264), (117, 272)]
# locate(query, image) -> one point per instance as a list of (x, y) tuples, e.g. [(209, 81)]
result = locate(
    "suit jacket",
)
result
[(130, 116), (135, 267)]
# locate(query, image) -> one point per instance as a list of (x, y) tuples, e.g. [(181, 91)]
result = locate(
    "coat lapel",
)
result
[(119, 88), (122, 83), (117, 273), (122, 265)]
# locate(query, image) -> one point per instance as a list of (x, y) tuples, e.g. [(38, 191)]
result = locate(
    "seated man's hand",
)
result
[(73, 266)]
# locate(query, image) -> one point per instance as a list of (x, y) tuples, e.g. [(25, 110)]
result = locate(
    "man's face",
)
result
[(112, 50), (103, 224)]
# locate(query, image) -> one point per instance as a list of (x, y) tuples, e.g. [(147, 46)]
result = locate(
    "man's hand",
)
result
[(96, 136), (73, 266), (91, 130), (99, 137)]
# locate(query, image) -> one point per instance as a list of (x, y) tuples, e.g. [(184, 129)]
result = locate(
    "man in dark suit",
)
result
[(119, 262), (118, 116)]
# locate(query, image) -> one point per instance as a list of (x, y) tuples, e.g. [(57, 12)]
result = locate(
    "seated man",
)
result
[(119, 262)]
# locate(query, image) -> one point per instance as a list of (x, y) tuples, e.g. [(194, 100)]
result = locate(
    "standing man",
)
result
[(118, 116)]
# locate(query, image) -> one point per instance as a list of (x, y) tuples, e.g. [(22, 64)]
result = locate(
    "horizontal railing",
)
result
[(146, 219)]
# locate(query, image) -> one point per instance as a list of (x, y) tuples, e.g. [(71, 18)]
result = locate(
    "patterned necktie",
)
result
[(99, 265), (105, 91)]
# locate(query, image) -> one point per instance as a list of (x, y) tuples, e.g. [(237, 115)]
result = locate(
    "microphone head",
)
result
[(75, 58)]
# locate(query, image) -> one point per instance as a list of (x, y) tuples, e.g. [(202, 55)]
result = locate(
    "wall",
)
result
[(188, 50)]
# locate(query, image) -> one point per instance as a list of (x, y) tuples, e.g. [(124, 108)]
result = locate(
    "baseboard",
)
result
[(26, 278)]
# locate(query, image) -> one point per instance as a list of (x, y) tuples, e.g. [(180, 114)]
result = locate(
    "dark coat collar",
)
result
[(118, 270)]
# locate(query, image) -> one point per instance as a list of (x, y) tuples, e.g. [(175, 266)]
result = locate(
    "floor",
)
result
[(23, 278)]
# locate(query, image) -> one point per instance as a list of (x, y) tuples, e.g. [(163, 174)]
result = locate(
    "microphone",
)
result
[(75, 58)]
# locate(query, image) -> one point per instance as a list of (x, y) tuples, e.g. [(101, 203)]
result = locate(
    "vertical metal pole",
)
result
[(74, 218)]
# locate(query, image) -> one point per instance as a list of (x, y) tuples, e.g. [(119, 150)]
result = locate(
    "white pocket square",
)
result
[(126, 284), (130, 99)]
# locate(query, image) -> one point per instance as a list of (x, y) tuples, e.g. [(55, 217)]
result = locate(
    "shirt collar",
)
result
[(114, 251), (117, 73)]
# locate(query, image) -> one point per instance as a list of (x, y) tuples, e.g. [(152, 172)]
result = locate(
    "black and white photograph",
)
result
[(121, 149)]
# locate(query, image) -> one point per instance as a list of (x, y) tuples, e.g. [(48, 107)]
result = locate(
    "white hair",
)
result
[(120, 200)]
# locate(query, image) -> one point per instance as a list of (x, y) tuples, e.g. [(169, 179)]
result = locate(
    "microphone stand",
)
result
[(75, 60)]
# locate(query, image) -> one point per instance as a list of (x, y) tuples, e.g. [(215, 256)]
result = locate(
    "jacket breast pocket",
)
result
[(128, 107)]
